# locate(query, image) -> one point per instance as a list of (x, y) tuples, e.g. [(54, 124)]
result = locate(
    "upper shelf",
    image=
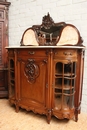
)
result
[(51, 34)]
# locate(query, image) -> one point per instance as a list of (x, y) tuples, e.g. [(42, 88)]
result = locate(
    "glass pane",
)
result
[(73, 82), (69, 91), (74, 67), (58, 82), (65, 103), (70, 68), (68, 102), (67, 68), (58, 101), (65, 85), (59, 68), (58, 91), (67, 82), (72, 102)]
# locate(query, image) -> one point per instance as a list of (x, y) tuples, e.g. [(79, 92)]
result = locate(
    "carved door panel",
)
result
[(32, 80)]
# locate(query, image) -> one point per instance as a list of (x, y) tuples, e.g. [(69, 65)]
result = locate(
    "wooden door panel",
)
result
[(32, 88)]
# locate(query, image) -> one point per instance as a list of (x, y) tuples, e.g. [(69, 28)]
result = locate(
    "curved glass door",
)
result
[(65, 75)]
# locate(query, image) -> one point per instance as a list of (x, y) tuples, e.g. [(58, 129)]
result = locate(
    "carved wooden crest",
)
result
[(47, 22), (51, 34)]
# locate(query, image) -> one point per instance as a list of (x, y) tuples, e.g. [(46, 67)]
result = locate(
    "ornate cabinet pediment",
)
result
[(51, 34)]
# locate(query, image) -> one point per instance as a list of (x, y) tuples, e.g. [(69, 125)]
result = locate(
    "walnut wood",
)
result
[(36, 90), (47, 78)]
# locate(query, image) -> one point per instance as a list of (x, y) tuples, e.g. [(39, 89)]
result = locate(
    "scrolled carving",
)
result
[(47, 21), (31, 70)]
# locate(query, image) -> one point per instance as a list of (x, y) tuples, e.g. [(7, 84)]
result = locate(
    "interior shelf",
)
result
[(66, 77), (65, 74), (65, 87), (69, 93)]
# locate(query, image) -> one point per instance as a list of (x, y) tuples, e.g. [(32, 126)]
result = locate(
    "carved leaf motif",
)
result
[(31, 70)]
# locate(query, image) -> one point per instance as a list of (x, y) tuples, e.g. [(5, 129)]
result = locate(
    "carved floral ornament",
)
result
[(31, 70), (51, 34)]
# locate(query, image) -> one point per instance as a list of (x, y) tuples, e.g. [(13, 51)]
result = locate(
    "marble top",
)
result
[(74, 47)]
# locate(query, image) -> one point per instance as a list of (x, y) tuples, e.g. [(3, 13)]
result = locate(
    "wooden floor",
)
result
[(10, 120)]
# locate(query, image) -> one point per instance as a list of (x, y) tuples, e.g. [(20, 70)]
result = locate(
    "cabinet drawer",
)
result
[(32, 52), (66, 53)]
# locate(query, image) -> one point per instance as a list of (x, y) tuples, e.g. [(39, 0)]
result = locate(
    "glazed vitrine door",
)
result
[(64, 88)]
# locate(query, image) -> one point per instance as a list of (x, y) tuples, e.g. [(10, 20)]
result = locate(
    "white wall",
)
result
[(25, 13)]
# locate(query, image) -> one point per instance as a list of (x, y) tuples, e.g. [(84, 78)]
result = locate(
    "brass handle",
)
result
[(67, 53), (31, 52)]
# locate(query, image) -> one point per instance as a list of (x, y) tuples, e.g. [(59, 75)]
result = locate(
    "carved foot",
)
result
[(49, 116), (76, 117), (17, 108)]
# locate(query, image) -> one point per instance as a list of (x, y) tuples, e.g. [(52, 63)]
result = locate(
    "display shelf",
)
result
[(64, 87)]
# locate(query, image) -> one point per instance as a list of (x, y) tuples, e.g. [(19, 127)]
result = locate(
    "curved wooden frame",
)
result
[(79, 41)]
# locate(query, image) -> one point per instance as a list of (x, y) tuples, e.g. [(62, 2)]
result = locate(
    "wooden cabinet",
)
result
[(3, 42), (46, 70), (46, 80)]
